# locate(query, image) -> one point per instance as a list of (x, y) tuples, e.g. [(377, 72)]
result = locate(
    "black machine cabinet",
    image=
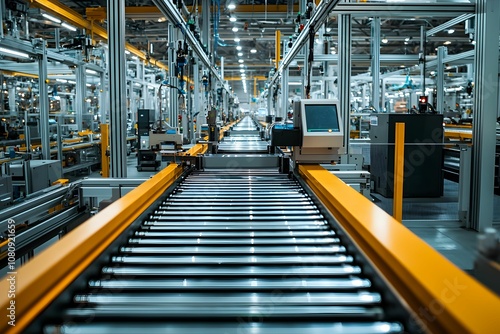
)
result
[(423, 176)]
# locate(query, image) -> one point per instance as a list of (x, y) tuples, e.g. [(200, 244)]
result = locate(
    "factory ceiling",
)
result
[(257, 23)]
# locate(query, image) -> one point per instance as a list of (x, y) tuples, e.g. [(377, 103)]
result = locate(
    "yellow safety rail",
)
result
[(44, 278), (445, 298), (195, 150)]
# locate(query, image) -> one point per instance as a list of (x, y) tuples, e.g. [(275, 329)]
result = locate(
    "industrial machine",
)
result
[(146, 158), (322, 131), (6, 192), (423, 175), (34, 175)]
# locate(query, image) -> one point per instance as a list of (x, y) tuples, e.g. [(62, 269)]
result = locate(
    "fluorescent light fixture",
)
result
[(333, 52), (407, 39), (451, 31), (91, 72), (385, 40), (232, 19), (62, 80), (473, 42), (242, 65), (236, 40), (239, 48), (242, 70), (134, 57), (235, 29), (151, 48), (67, 26), (231, 6), (328, 29), (14, 53), (253, 51), (241, 61), (294, 83), (50, 17), (447, 43), (89, 85), (72, 82), (162, 19), (240, 54), (127, 52)]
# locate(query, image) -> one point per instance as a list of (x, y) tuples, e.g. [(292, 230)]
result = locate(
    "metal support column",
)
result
[(485, 113), (117, 89), (284, 94), (196, 101), (375, 65), (269, 100), (344, 78), (423, 37), (80, 76), (102, 97), (206, 31), (44, 102), (441, 54)]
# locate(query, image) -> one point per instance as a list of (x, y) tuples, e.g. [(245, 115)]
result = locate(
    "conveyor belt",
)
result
[(244, 138), (231, 252)]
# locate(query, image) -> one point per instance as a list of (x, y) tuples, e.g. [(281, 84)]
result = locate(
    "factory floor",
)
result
[(435, 220)]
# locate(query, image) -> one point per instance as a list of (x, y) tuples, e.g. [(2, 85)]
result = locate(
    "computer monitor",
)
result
[(322, 125)]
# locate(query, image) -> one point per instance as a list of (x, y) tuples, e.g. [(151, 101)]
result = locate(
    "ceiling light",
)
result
[(236, 40), (333, 52), (67, 26), (240, 54), (242, 70), (241, 61), (447, 43), (328, 29), (232, 19), (14, 53), (127, 52), (242, 65), (134, 57), (239, 48), (50, 17), (473, 42), (61, 80), (235, 29), (451, 31), (231, 6), (72, 82), (91, 72), (253, 51), (407, 39), (162, 19), (385, 40)]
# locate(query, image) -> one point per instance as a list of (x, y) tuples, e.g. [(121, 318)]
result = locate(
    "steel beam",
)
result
[(485, 113), (117, 88), (44, 102), (65, 13), (319, 16), (375, 66), (344, 82), (449, 24), (398, 9), (173, 15), (81, 88), (441, 53)]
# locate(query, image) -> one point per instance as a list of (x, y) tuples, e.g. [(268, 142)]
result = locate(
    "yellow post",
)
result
[(104, 149), (278, 47), (399, 165)]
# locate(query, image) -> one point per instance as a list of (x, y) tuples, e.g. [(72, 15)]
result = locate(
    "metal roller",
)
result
[(254, 255)]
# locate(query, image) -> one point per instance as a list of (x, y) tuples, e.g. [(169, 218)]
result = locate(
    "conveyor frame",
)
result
[(388, 244)]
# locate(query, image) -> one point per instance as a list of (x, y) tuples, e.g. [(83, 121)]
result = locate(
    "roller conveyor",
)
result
[(245, 252), (244, 138)]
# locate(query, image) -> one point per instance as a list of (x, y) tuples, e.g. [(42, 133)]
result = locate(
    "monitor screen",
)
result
[(321, 118)]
